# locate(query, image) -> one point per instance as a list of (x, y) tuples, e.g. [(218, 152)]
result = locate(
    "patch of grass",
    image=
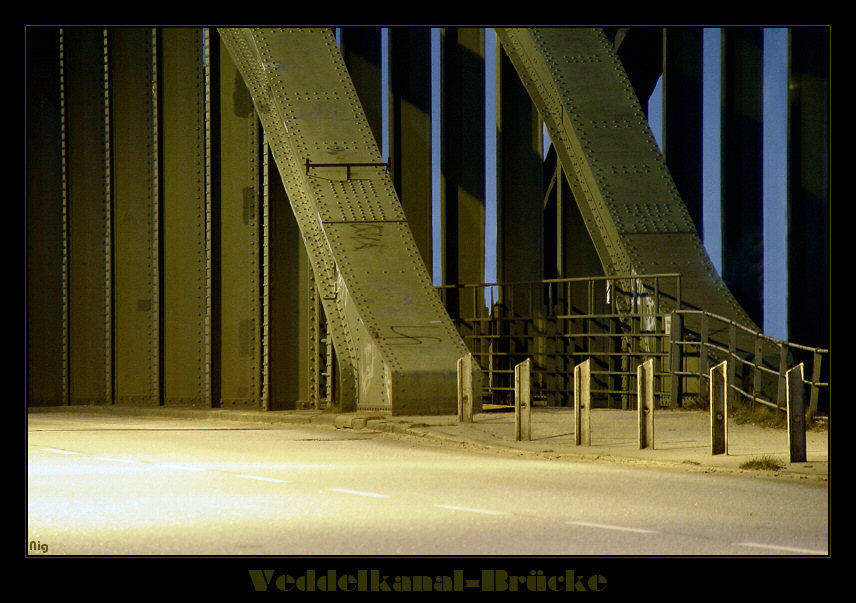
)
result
[(761, 415), (690, 402), (764, 416), (819, 424), (763, 463)]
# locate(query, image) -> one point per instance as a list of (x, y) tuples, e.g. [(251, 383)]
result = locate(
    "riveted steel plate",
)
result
[(135, 214), (628, 200), (391, 333)]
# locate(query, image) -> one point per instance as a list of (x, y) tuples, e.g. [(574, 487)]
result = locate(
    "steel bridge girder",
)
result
[(397, 346)]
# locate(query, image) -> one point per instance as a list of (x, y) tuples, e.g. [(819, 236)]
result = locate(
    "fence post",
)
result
[(731, 378), (645, 403), (582, 403), (815, 379), (492, 375), (466, 395), (522, 400), (782, 393), (758, 362), (719, 408), (704, 339), (796, 413), (675, 358)]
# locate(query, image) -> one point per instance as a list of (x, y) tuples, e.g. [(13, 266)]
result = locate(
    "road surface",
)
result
[(143, 486)]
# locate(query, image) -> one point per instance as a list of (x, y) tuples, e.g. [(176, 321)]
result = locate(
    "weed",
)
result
[(759, 415), (764, 416), (764, 463)]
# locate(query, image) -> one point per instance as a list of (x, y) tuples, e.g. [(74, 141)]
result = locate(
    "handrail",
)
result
[(565, 326), (783, 350), (754, 332)]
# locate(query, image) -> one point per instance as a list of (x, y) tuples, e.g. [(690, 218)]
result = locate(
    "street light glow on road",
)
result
[(278, 491)]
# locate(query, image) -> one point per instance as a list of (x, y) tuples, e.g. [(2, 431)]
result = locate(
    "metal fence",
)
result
[(757, 365), (618, 322)]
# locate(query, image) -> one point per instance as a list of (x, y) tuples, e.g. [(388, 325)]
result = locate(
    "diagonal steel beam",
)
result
[(397, 346), (632, 210)]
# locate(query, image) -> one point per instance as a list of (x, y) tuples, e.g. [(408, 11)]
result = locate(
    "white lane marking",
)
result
[(57, 451), (183, 467), (260, 478), (471, 510), (112, 460), (776, 547), (607, 526), (357, 492)]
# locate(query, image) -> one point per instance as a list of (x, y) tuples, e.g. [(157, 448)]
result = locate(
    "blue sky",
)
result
[(775, 166)]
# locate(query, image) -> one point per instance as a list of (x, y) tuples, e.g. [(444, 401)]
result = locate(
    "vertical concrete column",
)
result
[(808, 187), (45, 231), (571, 250), (237, 149), (185, 215), (410, 130), (645, 403), (293, 307), (136, 271), (520, 210), (582, 404), (796, 414), (640, 50), (89, 216), (553, 263), (520, 203), (523, 401), (682, 118), (463, 168), (361, 49), (579, 255), (742, 167), (719, 408)]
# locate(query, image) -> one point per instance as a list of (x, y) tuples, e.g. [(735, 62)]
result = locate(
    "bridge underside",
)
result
[(212, 221), (397, 346)]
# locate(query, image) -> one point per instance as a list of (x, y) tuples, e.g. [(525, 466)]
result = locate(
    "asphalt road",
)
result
[(142, 486)]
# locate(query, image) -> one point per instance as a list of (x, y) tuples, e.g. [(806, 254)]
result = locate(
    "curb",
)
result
[(583, 456)]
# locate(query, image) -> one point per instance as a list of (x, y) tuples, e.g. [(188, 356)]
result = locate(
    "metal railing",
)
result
[(619, 322), (758, 364)]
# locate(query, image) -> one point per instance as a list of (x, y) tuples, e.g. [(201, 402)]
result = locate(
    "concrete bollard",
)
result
[(466, 393), (796, 414), (645, 403), (523, 400), (719, 408), (582, 403)]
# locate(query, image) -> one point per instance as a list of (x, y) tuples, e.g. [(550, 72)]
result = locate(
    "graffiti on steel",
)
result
[(369, 272)]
